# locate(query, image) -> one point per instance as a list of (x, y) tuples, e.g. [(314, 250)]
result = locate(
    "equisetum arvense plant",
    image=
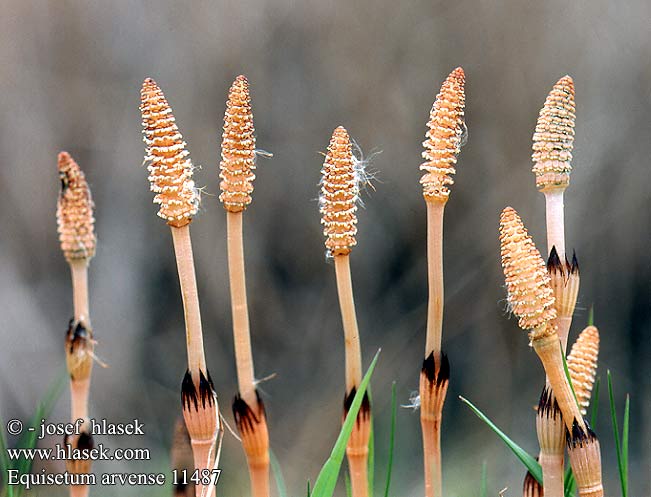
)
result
[(75, 223), (237, 166), (443, 141), (340, 188), (170, 176), (531, 299), (552, 152)]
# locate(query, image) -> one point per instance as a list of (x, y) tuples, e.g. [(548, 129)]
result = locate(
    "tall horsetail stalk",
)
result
[(170, 176), (338, 205), (237, 165), (443, 141), (75, 223), (531, 299), (553, 141)]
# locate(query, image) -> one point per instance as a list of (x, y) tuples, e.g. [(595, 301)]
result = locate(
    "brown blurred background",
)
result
[(71, 79)]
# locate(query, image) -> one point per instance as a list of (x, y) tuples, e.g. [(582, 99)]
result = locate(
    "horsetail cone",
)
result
[(553, 139), (530, 295), (443, 138), (582, 365), (75, 221), (339, 194), (170, 167), (531, 299), (238, 148)]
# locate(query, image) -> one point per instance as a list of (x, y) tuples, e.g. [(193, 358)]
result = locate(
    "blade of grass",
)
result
[(483, 487), (567, 375), (625, 432), (569, 485), (278, 475), (595, 402), (371, 450), (618, 447), (392, 438), (349, 490), (308, 489), (527, 459), (327, 479)]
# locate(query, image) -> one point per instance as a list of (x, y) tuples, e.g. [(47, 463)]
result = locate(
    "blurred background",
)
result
[(71, 79)]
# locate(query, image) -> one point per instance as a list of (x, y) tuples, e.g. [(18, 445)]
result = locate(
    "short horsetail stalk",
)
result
[(530, 297), (339, 195), (170, 176), (553, 141), (75, 223), (583, 446), (237, 165), (446, 127)]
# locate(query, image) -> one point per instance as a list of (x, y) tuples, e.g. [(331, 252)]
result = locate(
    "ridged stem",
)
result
[(358, 467), (563, 324), (549, 351), (190, 297), (259, 480), (79, 399), (555, 221), (349, 320), (435, 210), (432, 457), (203, 452), (239, 308)]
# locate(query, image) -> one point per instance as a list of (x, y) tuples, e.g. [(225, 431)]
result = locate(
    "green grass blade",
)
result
[(567, 374), (618, 447), (595, 403), (529, 461), (483, 487), (371, 449), (349, 490), (278, 474), (327, 479), (308, 489), (569, 485), (392, 438), (591, 316), (627, 412)]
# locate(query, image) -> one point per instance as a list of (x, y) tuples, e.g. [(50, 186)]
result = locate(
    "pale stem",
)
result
[(435, 277), (240, 311), (203, 451), (553, 474), (79, 490), (349, 320), (190, 297), (358, 466), (432, 457), (79, 399), (79, 272), (555, 221), (259, 480)]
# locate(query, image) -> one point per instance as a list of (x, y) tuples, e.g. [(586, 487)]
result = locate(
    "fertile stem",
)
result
[(190, 297), (240, 312), (435, 210), (349, 320), (555, 221), (79, 272)]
